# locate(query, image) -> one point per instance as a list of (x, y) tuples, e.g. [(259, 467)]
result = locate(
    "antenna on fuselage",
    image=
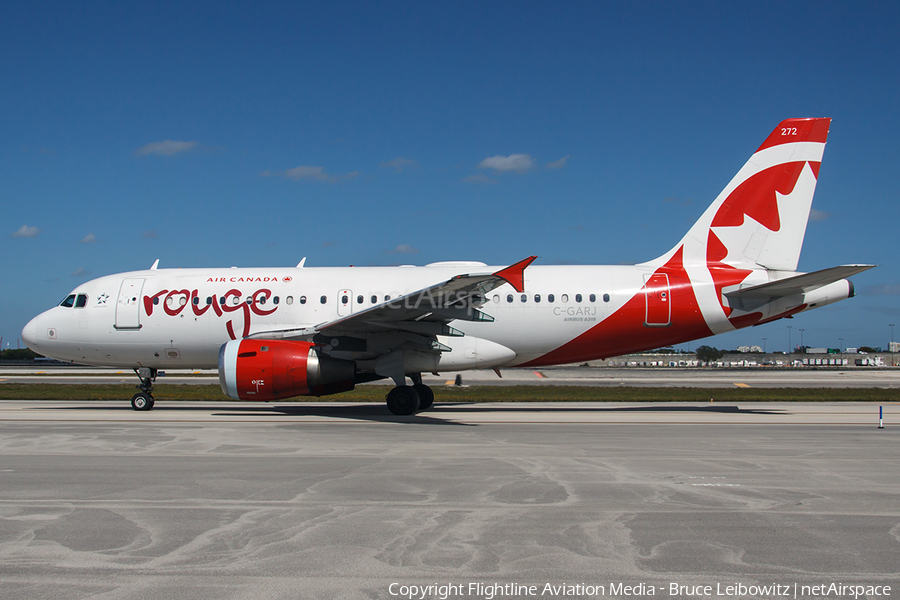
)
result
[(155, 264), (301, 263)]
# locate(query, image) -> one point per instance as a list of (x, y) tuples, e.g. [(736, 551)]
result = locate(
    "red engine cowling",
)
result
[(278, 369)]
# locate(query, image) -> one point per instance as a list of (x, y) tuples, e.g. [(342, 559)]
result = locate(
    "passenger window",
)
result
[(537, 298), (496, 298), (196, 301), (69, 302), (182, 300), (289, 300), (359, 299), (524, 298), (550, 297), (208, 300), (509, 297), (564, 298), (344, 299), (606, 297), (302, 299), (387, 298), (275, 300), (235, 300), (323, 299), (249, 300), (577, 297), (262, 299), (593, 297), (374, 299), (221, 300), (81, 301)]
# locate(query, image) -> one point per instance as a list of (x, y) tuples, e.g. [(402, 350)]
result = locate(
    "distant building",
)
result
[(894, 347), (749, 349)]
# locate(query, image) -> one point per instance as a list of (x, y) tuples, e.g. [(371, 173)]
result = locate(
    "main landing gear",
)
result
[(410, 399), (143, 400)]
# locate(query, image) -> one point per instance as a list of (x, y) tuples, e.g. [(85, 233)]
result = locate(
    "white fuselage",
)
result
[(179, 318)]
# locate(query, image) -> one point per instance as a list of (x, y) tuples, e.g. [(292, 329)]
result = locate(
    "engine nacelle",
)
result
[(279, 369)]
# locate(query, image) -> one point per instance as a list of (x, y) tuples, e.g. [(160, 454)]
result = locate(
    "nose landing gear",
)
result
[(143, 400)]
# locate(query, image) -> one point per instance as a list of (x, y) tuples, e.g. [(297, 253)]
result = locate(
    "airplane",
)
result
[(277, 333)]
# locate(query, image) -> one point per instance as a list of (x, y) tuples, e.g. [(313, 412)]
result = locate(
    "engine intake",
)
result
[(279, 369)]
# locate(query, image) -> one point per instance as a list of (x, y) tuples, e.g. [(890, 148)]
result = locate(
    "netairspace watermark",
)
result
[(494, 591)]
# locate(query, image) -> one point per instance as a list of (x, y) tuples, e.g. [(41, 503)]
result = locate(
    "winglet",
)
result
[(515, 274), (155, 265)]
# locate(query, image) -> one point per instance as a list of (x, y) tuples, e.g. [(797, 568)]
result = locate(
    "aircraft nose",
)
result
[(29, 334)]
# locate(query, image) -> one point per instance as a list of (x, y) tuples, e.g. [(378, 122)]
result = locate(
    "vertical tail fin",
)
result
[(759, 219)]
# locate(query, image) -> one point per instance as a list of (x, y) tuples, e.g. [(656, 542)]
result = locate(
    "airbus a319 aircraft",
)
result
[(285, 332)]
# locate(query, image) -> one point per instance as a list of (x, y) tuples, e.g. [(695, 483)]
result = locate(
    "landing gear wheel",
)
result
[(142, 401), (426, 396), (403, 400)]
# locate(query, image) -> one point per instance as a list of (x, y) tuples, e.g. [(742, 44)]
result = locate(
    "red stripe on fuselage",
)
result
[(624, 331)]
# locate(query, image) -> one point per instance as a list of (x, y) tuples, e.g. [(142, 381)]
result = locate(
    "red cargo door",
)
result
[(657, 301)]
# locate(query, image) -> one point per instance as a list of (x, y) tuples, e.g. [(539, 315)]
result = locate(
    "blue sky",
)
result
[(254, 134)]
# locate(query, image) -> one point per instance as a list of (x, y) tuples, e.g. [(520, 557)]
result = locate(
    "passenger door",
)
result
[(128, 306)]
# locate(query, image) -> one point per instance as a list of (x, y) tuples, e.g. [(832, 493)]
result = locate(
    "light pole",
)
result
[(764, 345), (790, 349), (802, 349), (891, 325), (841, 349)]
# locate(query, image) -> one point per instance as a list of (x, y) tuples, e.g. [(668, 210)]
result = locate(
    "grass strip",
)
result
[(492, 393)]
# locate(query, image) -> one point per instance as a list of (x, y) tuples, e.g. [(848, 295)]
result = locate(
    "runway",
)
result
[(803, 377), (456, 413), (323, 500)]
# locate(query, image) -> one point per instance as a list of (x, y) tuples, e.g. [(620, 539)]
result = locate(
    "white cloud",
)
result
[(305, 172), (818, 215), (309, 173), (26, 232), (883, 289), (166, 148), (404, 249), (89, 239), (478, 179), (558, 164), (79, 272), (518, 163), (399, 163)]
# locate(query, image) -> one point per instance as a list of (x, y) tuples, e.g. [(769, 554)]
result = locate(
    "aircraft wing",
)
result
[(798, 284), (425, 312)]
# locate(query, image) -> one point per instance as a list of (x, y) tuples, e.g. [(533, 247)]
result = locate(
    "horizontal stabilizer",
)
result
[(798, 284)]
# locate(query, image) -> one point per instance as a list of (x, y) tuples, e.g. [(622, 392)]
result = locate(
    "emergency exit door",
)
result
[(345, 303), (657, 300)]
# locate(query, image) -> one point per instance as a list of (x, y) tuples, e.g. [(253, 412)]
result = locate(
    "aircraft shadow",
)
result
[(441, 414), (362, 412), (486, 407)]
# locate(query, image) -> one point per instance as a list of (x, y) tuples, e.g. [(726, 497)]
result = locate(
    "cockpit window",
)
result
[(69, 302), (81, 301)]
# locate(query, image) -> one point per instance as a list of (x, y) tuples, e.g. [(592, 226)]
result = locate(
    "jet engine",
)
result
[(276, 369)]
